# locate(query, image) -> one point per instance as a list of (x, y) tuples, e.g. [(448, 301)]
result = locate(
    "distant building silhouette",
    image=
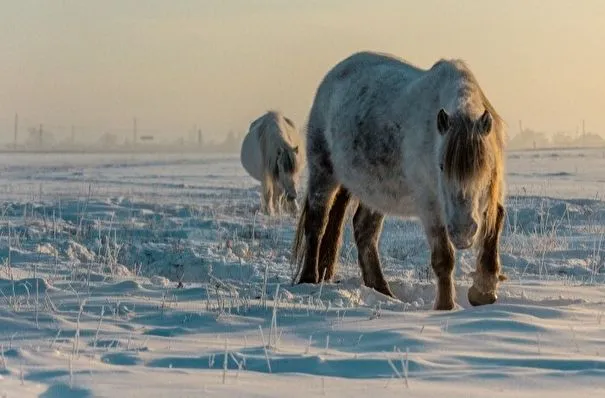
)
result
[(108, 140), (532, 139), (529, 139)]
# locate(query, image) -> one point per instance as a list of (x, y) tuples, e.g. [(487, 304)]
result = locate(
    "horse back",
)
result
[(367, 64)]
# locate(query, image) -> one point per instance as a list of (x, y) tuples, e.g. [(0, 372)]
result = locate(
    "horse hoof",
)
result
[(445, 306), (386, 290), (308, 279), (477, 298)]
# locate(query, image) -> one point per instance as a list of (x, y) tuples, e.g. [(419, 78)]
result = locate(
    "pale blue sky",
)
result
[(221, 63)]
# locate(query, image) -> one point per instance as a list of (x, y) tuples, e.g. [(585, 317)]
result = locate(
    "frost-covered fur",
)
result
[(271, 153), (407, 142)]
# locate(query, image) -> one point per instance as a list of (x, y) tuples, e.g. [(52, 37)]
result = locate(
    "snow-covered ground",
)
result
[(93, 248)]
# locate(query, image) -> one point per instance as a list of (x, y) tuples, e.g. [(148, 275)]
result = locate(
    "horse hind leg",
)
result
[(320, 195), (488, 275), (367, 226), (322, 187), (332, 237), (316, 218)]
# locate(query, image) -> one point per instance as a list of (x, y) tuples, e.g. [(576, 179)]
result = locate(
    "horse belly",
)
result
[(250, 157), (391, 195), (403, 206)]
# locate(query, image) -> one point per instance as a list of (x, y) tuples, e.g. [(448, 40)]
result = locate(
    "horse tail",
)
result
[(298, 247)]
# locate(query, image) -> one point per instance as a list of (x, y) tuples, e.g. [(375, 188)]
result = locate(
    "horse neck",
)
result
[(462, 90), (288, 138), (422, 98), (446, 88)]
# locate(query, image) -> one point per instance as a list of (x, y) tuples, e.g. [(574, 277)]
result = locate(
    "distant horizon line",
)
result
[(211, 150)]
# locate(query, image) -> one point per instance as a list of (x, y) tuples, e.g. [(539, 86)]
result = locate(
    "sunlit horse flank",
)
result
[(404, 141), (270, 154)]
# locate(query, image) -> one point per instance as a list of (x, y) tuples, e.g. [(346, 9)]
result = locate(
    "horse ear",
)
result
[(485, 123), (443, 121), (295, 149)]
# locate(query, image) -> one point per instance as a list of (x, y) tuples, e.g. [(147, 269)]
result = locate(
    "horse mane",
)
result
[(269, 128), (467, 154), (290, 122), (472, 159)]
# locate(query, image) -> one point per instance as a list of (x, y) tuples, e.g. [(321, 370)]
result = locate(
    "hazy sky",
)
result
[(219, 64)]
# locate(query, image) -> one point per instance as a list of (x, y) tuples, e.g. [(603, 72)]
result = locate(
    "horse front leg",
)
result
[(487, 275), (267, 201), (442, 257), (277, 199), (291, 207), (442, 263)]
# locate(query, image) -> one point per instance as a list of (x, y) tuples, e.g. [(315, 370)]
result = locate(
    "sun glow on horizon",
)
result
[(218, 65)]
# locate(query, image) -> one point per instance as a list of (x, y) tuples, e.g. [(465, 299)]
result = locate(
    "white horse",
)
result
[(270, 154), (408, 142)]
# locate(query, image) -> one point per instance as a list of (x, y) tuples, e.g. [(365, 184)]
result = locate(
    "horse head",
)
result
[(466, 162), (286, 168)]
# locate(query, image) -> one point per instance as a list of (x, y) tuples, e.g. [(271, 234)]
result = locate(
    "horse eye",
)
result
[(441, 166)]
